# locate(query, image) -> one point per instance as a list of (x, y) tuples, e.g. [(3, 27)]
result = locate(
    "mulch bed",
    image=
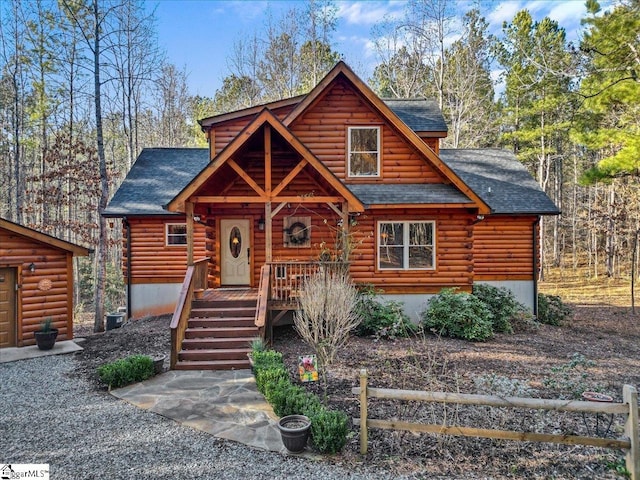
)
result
[(532, 360)]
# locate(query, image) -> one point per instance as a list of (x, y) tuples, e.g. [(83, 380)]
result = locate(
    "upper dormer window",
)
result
[(364, 152)]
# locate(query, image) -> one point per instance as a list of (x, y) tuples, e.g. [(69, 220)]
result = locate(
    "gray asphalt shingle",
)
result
[(157, 176), (500, 180), (402, 193), (421, 115)]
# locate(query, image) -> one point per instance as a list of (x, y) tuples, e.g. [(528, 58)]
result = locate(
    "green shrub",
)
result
[(502, 303), (382, 319), (135, 368), (268, 378), (329, 430), (551, 309), (458, 315), (266, 359)]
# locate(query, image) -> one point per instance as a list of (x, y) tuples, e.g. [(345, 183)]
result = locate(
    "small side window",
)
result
[(176, 234)]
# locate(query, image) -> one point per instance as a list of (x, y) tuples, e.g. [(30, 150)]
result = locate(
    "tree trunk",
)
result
[(101, 251)]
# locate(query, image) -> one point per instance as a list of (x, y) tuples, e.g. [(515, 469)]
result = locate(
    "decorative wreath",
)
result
[(298, 233)]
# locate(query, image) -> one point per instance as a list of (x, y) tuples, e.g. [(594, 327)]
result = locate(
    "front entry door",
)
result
[(7, 307), (235, 252)]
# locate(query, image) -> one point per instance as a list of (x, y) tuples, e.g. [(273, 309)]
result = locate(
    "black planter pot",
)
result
[(46, 340), (294, 430), (158, 364), (114, 320)]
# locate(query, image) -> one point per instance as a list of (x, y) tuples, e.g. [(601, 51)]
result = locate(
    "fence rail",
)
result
[(629, 407)]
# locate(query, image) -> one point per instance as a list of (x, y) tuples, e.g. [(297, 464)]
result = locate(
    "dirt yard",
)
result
[(534, 363)]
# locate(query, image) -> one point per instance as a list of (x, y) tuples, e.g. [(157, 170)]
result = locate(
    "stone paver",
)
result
[(225, 404), (13, 354)]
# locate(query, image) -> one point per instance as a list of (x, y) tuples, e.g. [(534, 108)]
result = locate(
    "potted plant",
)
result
[(46, 336), (294, 430)]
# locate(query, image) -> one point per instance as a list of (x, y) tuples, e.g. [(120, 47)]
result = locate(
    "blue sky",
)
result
[(198, 35)]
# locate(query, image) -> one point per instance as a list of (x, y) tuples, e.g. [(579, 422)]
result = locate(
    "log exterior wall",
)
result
[(152, 261), (323, 129), (503, 248), (34, 302), (224, 133)]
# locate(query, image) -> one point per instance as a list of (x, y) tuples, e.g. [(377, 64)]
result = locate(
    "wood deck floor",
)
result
[(231, 293)]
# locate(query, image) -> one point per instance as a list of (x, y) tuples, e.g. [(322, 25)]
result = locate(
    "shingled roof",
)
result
[(497, 176), (419, 114), (500, 180), (157, 176), (412, 194)]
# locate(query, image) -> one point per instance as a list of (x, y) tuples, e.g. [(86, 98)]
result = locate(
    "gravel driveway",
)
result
[(49, 416)]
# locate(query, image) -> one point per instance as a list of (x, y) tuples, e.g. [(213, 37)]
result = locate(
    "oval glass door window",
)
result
[(235, 242)]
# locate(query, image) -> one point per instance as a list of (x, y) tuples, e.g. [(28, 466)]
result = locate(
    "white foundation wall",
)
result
[(414, 303), (153, 298)]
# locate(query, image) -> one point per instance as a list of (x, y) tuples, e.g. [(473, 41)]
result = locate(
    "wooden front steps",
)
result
[(218, 334)]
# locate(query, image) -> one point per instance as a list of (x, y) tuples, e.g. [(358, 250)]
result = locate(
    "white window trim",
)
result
[(166, 235), (378, 151), (405, 246)]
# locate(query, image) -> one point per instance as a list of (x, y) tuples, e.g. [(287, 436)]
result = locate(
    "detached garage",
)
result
[(36, 282)]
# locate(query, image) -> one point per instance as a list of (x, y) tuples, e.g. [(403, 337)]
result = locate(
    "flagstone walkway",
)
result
[(225, 404)]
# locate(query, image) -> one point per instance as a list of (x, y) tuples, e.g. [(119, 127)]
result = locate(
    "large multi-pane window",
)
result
[(176, 234), (406, 245), (364, 151)]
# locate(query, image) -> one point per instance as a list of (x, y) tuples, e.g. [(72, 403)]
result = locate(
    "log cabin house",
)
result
[(282, 183), (36, 282)]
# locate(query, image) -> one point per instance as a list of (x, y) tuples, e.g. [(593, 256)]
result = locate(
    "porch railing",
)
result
[(287, 278), (194, 279), (262, 306)]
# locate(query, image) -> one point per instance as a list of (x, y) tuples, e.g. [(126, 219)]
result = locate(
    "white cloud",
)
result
[(368, 13), (503, 12)]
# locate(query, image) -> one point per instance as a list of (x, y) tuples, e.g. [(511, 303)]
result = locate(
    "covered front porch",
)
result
[(273, 215)]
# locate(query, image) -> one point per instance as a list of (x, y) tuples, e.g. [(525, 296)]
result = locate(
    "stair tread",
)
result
[(218, 350), (212, 364)]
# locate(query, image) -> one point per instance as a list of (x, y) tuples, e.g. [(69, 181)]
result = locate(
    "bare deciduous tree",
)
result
[(327, 315)]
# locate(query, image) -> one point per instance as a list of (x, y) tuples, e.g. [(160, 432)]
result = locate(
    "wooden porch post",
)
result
[(189, 212), (268, 244)]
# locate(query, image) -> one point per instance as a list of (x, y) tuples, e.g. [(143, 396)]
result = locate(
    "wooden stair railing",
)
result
[(195, 278), (262, 306)]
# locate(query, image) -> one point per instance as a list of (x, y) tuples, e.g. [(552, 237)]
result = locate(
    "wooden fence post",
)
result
[(630, 397), (363, 412)]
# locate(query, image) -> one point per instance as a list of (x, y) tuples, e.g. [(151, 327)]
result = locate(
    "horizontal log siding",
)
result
[(323, 129), (454, 252), (151, 258), (35, 305), (503, 248), (225, 132)]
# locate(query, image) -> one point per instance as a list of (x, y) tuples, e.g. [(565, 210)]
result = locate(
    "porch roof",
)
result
[(501, 180)]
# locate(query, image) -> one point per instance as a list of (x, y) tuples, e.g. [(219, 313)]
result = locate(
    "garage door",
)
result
[(7, 307)]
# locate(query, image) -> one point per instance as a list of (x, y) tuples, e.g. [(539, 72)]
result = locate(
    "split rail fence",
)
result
[(628, 407)]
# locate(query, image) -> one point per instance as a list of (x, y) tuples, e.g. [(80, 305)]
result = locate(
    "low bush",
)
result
[(328, 428), (502, 303), (458, 315), (551, 309), (268, 378), (125, 371), (382, 319)]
